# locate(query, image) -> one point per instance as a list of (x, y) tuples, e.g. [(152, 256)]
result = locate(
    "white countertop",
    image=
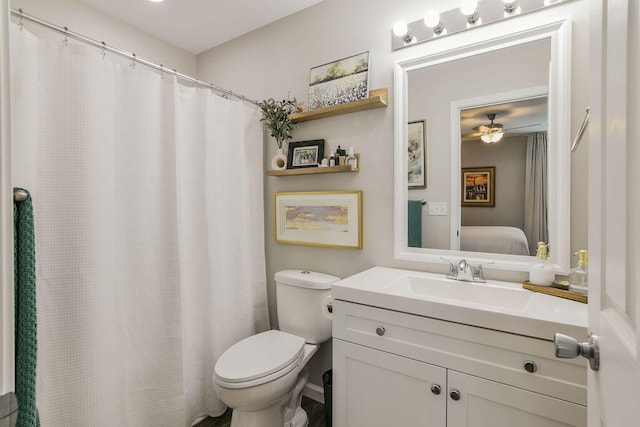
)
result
[(503, 306)]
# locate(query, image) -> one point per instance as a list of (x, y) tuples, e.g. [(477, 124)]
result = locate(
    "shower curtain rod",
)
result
[(129, 55)]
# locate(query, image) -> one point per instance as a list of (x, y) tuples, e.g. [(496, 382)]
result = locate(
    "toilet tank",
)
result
[(302, 298)]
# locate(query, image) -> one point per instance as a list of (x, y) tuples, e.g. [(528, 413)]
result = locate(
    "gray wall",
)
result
[(274, 61)]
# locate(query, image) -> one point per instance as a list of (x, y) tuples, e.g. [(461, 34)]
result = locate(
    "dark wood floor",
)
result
[(315, 412)]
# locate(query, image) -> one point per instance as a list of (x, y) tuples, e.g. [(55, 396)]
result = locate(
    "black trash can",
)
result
[(327, 379)]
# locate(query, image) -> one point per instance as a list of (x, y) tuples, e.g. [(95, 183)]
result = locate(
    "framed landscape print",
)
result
[(344, 80), (319, 218)]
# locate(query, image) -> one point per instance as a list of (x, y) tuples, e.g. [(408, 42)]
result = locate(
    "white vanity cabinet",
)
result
[(392, 368)]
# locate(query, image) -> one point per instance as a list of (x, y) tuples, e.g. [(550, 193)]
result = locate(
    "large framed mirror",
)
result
[(497, 144)]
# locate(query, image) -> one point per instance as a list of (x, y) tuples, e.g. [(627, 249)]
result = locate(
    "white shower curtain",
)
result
[(149, 231)]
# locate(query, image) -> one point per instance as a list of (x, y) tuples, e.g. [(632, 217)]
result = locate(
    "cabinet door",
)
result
[(373, 388), (487, 403)]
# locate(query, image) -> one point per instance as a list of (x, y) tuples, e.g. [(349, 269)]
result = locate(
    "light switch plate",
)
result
[(437, 208)]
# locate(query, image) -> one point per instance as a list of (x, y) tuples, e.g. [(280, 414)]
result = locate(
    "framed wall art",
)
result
[(478, 187), (417, 157), (344, 80), (305, 154), (319, 218)]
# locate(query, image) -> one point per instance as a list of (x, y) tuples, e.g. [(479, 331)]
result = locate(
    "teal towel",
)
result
[(415, 224), (25, 312)]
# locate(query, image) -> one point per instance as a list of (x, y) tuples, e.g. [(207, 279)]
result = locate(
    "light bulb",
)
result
[(468, 7), (431, 19), (511, 7), (491, 137), (400, 29)]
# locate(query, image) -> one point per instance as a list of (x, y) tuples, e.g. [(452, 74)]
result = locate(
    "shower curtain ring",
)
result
[(133, 61), (104, 50), (21, 22), (161, 71), (66, 39)]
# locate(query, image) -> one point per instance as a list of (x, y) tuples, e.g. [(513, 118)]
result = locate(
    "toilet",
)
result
[(262, 377)]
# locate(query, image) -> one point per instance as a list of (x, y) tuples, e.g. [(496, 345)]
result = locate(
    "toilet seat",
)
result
[(259, 359)]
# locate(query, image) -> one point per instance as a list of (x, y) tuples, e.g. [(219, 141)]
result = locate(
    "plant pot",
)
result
[(279, 161)]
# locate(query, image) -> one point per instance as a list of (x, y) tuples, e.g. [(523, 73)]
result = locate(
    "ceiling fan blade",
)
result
[(522, 127), (471, 135)]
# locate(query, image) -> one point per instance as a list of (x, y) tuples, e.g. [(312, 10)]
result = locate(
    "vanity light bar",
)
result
[(463, 18)]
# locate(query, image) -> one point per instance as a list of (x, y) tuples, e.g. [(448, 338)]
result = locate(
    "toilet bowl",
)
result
[(263, 376)]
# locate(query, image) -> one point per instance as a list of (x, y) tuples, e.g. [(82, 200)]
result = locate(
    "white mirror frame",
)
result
[(499, 36)]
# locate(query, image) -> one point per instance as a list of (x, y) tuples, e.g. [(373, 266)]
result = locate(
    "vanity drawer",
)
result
[(524, 362)]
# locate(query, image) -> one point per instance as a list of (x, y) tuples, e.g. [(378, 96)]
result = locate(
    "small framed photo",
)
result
[(416, 152), (344, 80), (478, 186), (319, 218), (305, 154)]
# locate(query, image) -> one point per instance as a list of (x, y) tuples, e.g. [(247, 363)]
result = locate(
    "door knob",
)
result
[(567, 347), (435, 389), (455, 394), (380, 330)]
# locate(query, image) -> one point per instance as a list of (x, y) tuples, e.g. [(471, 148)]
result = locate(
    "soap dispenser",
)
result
[(541, 272), (578, 276)]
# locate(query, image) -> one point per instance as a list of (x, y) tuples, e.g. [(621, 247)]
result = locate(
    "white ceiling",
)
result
[(198, 25), (518, 117)]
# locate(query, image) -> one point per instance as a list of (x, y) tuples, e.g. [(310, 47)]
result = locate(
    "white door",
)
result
[(614, 209)]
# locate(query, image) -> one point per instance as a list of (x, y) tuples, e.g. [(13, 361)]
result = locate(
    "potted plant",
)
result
[(275, 115)]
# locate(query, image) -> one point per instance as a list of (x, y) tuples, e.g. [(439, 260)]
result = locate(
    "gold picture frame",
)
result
[(318, 218), (479, 186)]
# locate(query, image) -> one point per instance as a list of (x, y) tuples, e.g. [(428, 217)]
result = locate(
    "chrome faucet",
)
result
[(465, 272)]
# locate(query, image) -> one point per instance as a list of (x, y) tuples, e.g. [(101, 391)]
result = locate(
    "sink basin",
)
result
[(461, 292), (498, 305)]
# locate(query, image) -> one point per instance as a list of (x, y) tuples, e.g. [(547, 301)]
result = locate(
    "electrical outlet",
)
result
[(437, 208)]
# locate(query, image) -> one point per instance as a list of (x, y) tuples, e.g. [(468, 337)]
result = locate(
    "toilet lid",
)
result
[(258, 356)]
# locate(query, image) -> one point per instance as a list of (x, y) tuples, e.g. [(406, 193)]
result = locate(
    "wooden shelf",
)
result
[(377, 99), (318, 170)]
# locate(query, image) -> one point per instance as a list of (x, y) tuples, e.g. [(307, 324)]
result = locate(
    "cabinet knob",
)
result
[(435, 389), (380, 330), (530, 366), (455, 394)]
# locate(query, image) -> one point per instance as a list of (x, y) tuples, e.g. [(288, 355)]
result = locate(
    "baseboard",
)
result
[(314, 392)]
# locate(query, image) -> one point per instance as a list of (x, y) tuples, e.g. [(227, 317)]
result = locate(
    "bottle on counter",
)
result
[(578, 276), (332, 159), (541, 272)]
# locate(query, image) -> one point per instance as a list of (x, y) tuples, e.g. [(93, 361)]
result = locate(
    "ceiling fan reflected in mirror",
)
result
[(491, 132)]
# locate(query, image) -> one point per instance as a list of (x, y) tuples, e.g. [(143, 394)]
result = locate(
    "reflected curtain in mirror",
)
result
[(535, 202)]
